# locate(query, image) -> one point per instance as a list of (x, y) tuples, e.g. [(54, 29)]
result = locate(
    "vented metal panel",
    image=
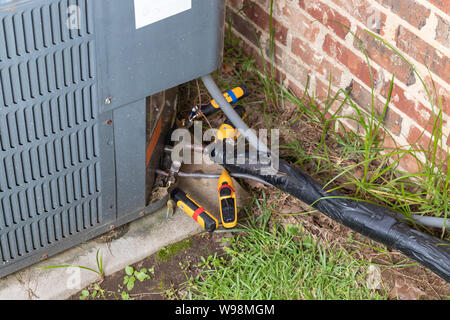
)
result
[(50, 170), (75, 76)]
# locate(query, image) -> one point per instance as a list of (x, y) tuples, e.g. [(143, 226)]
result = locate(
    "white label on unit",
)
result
[(151, 11)]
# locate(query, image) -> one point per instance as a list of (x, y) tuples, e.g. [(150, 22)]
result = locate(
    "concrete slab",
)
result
[(140, 239), (126, 246)]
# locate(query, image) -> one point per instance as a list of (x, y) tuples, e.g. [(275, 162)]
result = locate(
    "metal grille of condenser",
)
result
[(76, 77), (49, 139)]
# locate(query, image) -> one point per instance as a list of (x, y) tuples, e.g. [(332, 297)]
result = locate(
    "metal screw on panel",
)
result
[(44, 256), (141, 214), (108, 122), (108, 100)]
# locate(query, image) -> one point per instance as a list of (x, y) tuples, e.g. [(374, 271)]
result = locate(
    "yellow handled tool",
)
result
[(232, 97), (227, 129), (227, 198), (188, 205)]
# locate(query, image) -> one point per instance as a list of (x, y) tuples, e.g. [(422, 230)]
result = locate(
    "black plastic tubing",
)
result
[(375, 222)]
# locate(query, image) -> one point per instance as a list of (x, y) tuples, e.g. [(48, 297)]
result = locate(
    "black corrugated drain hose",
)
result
[(377, 223)]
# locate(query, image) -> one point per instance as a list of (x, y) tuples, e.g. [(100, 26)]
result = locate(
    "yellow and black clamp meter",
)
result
[(227, 198), (195, 211)]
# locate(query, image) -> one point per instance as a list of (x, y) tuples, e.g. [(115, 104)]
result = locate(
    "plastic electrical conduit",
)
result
[(217, 94)]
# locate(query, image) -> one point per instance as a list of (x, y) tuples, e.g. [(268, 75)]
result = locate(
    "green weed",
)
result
[(362, 165), (99, 261), (273, 262), (95, 291)]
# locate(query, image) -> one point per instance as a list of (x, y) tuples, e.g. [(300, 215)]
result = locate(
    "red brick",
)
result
[(300, 24), (364, 12), (327, 16), (407, 161), (354, 63), (421, 114), (444, 5), (322, 89), (389, 144), (363, 98), (303, 50), (234, 3), (243, 27), (385, 57), (319, 96), (436, 90), (445, 99), (410, 10), (436, 61), (324, 95), (297, 70), (330, 71), (393, 122), (299, 93), (406, 104), (317, 61), (278, 53), (411, 164), (417, 136), (443, 31), (262, 19), (280, 75)]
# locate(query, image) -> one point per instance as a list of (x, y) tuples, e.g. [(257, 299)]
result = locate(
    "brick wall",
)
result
[(310, 40)]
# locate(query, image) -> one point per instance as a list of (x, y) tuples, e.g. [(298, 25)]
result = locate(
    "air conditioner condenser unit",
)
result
[(85, 105)]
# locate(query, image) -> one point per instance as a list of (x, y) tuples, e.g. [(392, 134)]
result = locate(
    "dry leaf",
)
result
[(373, 280), (227, 69), (405, 291)]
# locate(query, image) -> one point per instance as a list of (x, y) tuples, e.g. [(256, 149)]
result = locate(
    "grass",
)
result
[(173, 249), (349, 152), (272, 262), (99, 261), (268, 261), (365, 165)]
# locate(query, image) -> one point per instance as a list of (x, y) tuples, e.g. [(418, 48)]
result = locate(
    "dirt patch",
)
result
[(170, 266)]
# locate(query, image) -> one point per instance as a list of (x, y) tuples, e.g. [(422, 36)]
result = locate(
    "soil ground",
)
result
[(170, 271), (401, 279)]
